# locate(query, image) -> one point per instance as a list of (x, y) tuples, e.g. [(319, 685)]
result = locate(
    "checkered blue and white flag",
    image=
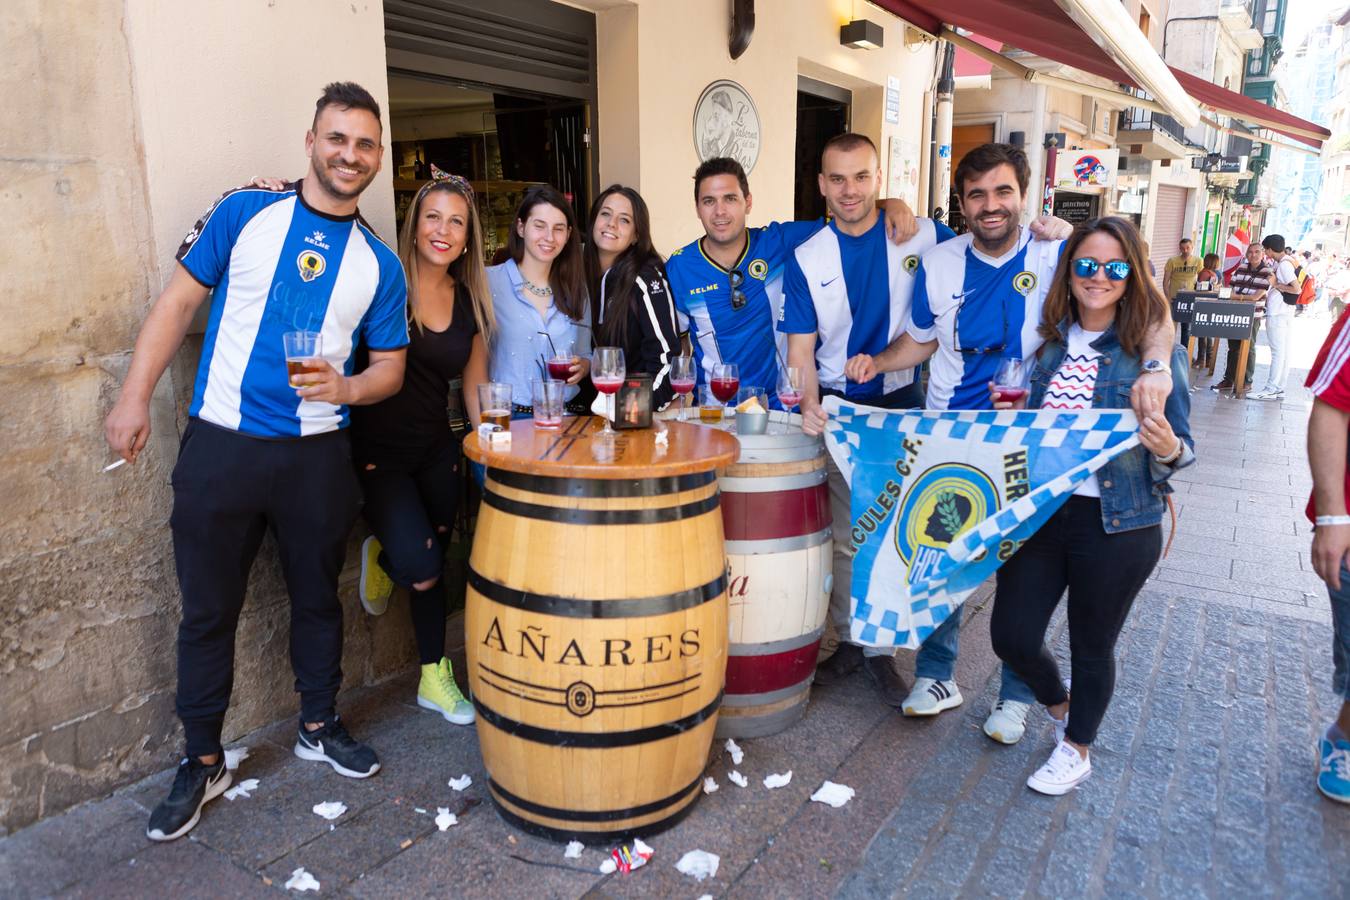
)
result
[(942, 499)]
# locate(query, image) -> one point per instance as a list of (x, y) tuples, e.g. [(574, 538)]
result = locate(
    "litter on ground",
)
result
[(699, 863)]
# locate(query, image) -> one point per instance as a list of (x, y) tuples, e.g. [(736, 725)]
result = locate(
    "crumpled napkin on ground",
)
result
[(710, 785), (445, 818), (737, 778), (777, 780), (234, 757), (699, 863), (330, 810), (461, 782), (242, 789), (301, 880), (835, 795), (737, 754), (573, 850)]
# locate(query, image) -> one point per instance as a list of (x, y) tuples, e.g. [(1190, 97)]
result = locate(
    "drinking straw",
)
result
[(549, 338)]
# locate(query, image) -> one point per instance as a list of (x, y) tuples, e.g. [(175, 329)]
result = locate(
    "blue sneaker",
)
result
[(1333, 769)]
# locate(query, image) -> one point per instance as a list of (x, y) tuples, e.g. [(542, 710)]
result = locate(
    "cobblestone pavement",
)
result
[(1201, 784)]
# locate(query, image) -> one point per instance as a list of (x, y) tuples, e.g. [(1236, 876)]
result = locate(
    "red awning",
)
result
[(968, 63), (1042, 28)]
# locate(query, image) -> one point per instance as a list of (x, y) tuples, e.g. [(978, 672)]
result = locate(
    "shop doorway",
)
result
[(501, 141), (501, 92), (822, 112)]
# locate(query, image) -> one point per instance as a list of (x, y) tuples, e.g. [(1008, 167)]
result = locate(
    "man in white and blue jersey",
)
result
[(727, 285), (978, 300), (846, 291), (259, 453)]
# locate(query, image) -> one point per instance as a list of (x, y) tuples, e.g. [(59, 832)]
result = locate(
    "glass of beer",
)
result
[(710, 406), (494, 404), (303, 355), (546, 399)]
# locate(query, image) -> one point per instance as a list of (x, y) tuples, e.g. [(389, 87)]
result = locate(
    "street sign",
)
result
[(1222, 319), (1183, 304)]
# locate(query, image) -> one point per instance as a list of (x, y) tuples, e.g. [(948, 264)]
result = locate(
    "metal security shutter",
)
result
[(1168, 218), (531, 45)]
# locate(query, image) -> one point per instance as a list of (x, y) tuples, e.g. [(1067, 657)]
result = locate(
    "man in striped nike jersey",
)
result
[(265, 451), (977, 300)]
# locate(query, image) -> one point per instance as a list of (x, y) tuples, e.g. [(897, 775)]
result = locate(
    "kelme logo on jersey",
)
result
[(1023, 282), (311, 265), (942, 503), (911, 263), (758, 268)]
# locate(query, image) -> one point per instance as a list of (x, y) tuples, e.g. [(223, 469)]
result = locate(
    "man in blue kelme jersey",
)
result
[(977, 300), (263, 451), (727, 284)]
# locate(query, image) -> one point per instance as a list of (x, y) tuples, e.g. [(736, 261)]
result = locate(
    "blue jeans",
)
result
[(1340, 627), (936, 659)]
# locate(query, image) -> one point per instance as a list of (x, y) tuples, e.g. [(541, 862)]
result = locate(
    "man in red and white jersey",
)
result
[(1328, 448)]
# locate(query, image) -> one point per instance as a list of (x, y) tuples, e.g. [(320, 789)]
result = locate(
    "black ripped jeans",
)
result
[(410, 505), (1104, 573)]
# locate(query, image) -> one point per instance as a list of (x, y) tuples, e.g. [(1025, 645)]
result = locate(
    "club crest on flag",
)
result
[(941, 499), (944, 501)]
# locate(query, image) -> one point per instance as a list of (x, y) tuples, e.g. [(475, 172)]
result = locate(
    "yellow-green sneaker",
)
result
[(376, 587), (438, 691)]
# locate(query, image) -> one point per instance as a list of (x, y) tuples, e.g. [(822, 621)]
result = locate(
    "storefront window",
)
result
[(501, 142)]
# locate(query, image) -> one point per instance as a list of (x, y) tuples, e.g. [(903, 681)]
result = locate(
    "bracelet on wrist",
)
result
[(1331, 520), (1172, 457)]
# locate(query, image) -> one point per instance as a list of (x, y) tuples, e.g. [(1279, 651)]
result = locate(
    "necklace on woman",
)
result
[(544, 291)]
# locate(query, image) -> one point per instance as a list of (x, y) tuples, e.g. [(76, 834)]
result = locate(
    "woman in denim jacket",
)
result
[(1104, 542)]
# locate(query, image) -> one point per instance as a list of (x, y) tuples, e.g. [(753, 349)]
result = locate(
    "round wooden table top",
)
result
[(578, 450)]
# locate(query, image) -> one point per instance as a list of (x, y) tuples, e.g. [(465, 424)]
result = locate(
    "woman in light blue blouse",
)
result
[(539, 291)]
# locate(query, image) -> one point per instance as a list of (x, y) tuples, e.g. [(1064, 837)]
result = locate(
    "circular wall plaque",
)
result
[(726, 123)]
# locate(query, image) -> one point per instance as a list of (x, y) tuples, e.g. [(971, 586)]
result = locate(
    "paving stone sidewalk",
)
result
[(1201, 785)]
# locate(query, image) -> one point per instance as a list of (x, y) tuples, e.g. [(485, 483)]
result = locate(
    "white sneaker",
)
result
[(1007, 721), (930, 697), (1062, 772)]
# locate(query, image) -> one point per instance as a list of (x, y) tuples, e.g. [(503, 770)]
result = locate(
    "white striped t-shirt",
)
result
[(1072, 385)]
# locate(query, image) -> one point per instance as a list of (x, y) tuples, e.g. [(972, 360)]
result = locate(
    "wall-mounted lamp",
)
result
[(860, 34)]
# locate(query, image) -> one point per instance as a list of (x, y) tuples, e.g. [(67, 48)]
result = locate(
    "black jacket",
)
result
[(652, 338)]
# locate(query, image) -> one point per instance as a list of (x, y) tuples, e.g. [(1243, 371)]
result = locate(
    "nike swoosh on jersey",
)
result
[(830, 282)]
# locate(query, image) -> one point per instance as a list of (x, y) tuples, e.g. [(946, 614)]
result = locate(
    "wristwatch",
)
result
[(1153, 367)]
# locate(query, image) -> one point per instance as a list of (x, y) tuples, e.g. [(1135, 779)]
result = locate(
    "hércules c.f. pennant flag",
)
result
[(941, 499)]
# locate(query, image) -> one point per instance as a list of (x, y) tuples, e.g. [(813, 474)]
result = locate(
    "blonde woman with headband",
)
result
[(406, 459)]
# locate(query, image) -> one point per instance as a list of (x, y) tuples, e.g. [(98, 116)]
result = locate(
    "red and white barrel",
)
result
[(776, 517)]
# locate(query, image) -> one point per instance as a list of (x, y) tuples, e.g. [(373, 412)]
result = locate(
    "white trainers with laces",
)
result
[(930, 697), (1062, 772), (1007, 721)]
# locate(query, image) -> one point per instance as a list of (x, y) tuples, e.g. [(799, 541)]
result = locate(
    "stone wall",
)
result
[(88, 598)]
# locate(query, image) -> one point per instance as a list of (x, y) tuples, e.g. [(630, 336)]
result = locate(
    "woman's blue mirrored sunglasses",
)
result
[(1116, 270)]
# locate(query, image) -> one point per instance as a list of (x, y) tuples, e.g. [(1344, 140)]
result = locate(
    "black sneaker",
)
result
[(842, 663), (194, 785), (333, 745)]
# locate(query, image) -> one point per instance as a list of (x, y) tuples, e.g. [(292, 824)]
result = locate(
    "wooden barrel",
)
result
[(776, 513), (595, 626)]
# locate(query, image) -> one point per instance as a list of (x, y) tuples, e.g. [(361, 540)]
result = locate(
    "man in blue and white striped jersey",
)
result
[(264, 449)]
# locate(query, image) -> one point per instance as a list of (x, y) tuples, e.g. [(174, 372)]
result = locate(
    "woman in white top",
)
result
[(1104, 542)]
